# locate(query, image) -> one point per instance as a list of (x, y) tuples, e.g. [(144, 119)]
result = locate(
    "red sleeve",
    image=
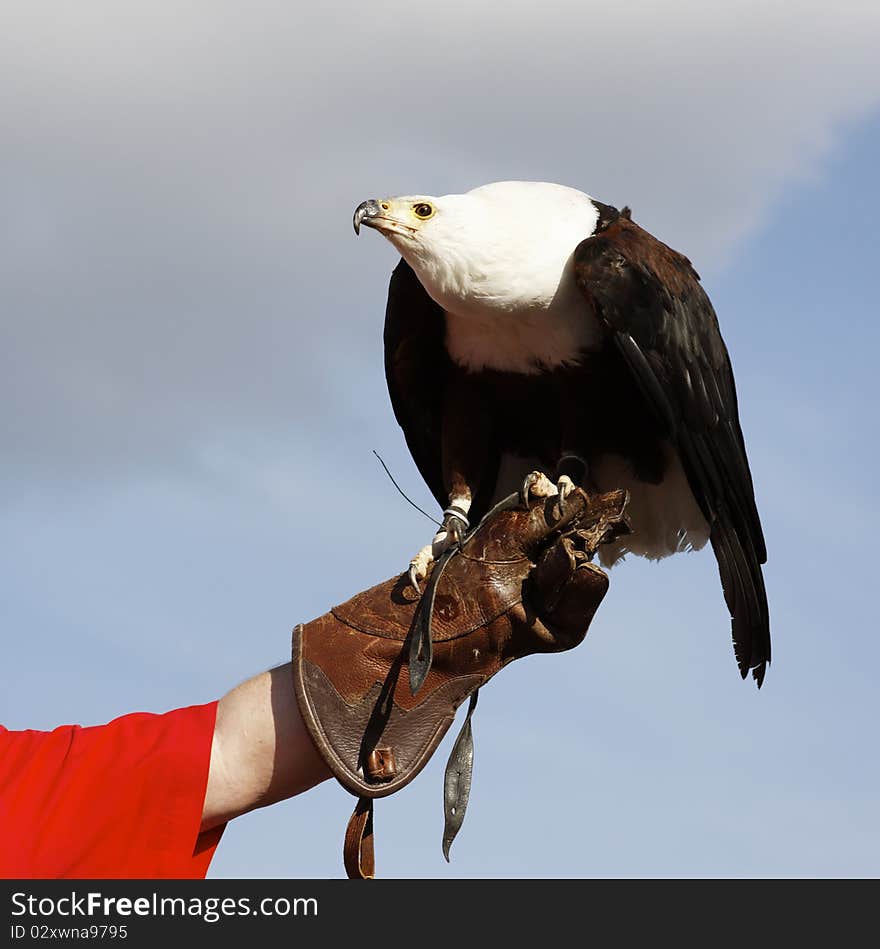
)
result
[(121, 800)]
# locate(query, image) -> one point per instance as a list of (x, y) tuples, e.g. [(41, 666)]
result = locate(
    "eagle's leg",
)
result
[(465, 437), (455, 525), (573, 424)]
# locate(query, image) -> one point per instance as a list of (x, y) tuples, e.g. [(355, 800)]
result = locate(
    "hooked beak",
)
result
[(364, 214), (380, 216)]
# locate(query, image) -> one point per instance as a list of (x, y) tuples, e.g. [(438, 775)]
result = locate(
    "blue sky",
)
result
[(191, 381)]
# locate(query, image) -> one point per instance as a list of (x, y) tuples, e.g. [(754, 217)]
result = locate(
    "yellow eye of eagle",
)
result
[(423, 211)]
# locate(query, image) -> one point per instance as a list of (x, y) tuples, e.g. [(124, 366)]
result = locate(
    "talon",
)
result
[(526, 488), (451, 534), (536, 484), (455, 530), (564, 487), (419, 566)]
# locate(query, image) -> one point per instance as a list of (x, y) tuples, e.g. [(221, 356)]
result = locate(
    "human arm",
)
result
[(261, 752)]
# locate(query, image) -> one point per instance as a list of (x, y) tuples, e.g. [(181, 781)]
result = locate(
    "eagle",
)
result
[(531, 328)]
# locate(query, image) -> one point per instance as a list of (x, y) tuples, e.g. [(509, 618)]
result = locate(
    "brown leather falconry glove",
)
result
[(379, 678)]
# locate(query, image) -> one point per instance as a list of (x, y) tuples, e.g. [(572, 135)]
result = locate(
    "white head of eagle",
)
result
[(498, 260)]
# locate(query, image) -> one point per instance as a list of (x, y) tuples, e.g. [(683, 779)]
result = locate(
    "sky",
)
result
[(191, 388)]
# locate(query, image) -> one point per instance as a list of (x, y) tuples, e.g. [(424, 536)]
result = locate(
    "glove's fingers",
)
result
[(564, 591), (555, 567), (577, 604)]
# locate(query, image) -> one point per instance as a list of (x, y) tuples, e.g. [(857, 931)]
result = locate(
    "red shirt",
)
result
[(121, 800)]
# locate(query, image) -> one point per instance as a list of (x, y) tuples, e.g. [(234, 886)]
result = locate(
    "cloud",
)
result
[(178, 265)]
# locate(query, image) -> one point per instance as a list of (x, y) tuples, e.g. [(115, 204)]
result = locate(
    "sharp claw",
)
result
[(414, 578), (536, 484), (564, 487), (525, 487)]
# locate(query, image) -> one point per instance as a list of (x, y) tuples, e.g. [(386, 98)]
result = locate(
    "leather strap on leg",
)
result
[(358, 854)]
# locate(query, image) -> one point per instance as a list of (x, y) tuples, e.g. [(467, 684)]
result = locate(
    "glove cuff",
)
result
[(375, 742)]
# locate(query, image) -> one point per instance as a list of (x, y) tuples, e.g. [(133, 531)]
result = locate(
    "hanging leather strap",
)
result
[(457, 779), (357, 853)]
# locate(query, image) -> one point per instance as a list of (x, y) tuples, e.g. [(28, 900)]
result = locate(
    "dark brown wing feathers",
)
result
[(651, 301), (416, 368)]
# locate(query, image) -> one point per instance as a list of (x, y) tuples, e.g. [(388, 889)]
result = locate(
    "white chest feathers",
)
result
[(524, 340)]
